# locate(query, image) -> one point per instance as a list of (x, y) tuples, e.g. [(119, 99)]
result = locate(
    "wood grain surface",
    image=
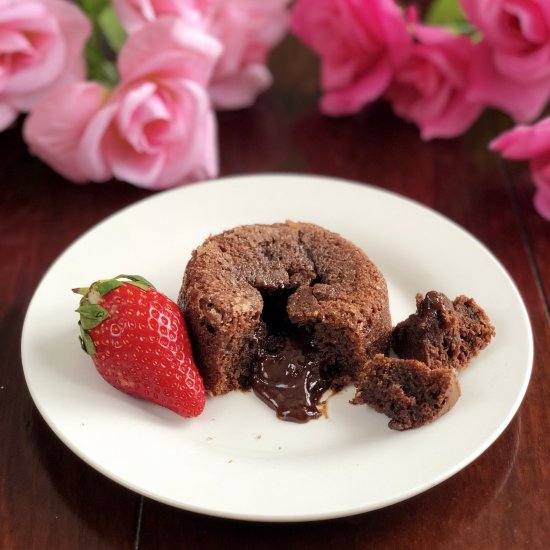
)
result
[(50, 499)]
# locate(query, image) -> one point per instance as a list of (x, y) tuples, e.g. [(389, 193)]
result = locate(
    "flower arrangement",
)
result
[(128, 88), (145, 113)]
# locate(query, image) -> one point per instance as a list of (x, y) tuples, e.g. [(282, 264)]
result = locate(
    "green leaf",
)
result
[(86, 341), (100, 68), (112, 29), (99, 50), (106, 286), (80, 290), (91, 315), (449, 14), (464, 28), (445, 12), (93, 7), (137, 280)]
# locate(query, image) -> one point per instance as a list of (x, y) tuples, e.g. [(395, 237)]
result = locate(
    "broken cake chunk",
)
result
[(442, 333), (408, 391)]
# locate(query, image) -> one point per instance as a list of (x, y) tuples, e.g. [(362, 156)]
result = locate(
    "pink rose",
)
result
[(530, 143), (512, 67), (430, 87), (247, 29), (155, 130), (41, 43), (133, 14), (360, 43)]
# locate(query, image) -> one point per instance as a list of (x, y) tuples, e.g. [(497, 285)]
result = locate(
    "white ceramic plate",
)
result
[(237, 460)]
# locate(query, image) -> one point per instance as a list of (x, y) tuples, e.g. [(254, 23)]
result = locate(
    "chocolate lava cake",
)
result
[(294, 289), (408, 391), (443, 333)]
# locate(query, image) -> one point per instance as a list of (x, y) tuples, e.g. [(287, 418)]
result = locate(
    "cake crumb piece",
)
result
[(443, 334), (409, 392), (258, 437), (209, 438), (323, 408)]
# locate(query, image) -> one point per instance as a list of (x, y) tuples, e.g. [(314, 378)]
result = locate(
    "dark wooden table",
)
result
[(50, 499)]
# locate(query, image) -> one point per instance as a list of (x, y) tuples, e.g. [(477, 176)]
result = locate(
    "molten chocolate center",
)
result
[(289, 380), (288, 373)]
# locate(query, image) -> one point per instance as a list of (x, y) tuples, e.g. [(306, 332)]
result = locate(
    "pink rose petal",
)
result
[(55, 128), (169, 47), (241, 89), (530, 143), (91, 154), (512, 70), (488, 85), (542, 202), (352, 98), (431, 87), (41, 47), (248, 30), (155, 130), (134, 14), (361, 44), (524, 142), (7, 115)]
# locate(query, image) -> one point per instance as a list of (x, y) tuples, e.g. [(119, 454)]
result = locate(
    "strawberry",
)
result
[(138, 340)]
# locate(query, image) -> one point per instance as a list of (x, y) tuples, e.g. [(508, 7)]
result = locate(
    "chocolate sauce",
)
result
[(288, 378)]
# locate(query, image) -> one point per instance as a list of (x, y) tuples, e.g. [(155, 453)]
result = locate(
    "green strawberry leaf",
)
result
[(137, 280), (106, 286), (80, 290), (91, 315), (86, 341)]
